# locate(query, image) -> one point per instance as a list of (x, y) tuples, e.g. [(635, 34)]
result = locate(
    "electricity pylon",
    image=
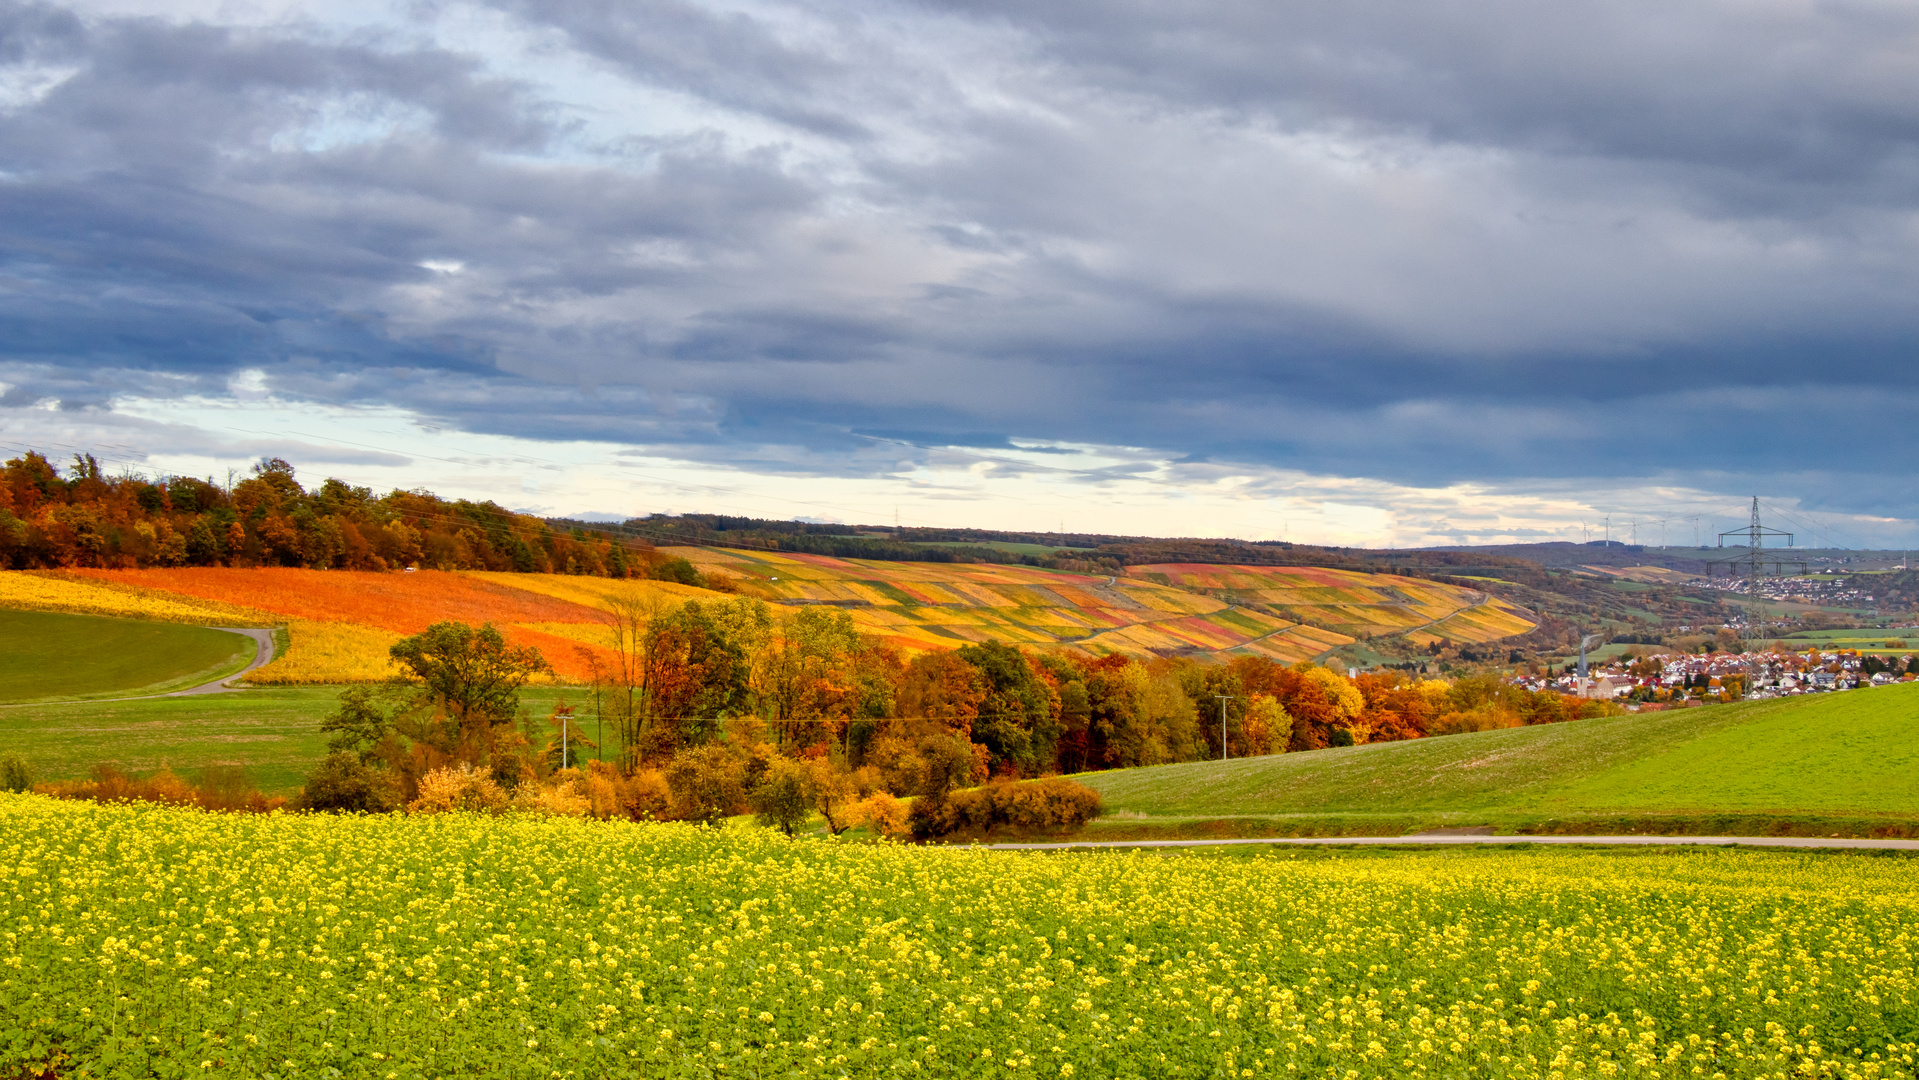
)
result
[(1753, 560)]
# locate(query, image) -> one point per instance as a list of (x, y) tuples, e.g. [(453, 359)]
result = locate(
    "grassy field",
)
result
[(273, 733), (161, 942), (1846, 759), (1872, 641), (49, 655)]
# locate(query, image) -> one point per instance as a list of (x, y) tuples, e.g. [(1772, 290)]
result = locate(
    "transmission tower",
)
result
[(1753, 561)]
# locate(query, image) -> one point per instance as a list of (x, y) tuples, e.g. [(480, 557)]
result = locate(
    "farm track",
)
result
[(261, 657), (1443, 839)]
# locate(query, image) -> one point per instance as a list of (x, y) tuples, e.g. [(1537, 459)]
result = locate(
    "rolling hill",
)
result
[(1285, 613), (1354, 604), (340, 623), (48, 655), (1842, 762)]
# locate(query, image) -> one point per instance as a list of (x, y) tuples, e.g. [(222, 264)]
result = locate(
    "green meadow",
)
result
[(1846, 762), (45, 655), (272, 733)]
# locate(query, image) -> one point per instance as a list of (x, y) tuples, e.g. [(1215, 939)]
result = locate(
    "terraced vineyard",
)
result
[(922, 605), (1353, 604), (340, 623)]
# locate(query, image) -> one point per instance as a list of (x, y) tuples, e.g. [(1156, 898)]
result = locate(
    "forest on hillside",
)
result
[(81, 517)]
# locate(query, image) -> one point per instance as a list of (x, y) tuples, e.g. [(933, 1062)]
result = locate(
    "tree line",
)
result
[(702, 701), (83, 517)]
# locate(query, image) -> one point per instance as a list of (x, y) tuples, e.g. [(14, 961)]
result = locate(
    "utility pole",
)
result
[(1223, 699)]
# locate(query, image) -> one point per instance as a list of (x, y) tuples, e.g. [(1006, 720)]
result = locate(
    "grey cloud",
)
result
[(730, 59), (1413, 243), (1795, 93)]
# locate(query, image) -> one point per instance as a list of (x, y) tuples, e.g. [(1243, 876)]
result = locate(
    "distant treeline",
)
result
[(82, 517), (78, 516), (871, 542), (1084, 552)]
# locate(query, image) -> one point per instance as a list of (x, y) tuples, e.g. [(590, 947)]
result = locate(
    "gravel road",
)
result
[(1436, 838)]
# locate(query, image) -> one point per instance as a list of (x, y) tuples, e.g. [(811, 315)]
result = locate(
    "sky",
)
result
[(1334, 271)]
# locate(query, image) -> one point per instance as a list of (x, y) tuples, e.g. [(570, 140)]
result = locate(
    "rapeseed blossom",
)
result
[(142, 940)]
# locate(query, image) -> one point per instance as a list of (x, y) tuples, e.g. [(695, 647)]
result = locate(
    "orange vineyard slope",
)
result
[(392, 602), (1353, 603), (341, 622)]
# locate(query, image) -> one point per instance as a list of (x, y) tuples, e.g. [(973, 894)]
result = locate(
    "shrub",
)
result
[(1052, 803), (15, 775), (462, 788), (563, 795), (708, 783), (1041, 804), (880, 812), (342, 783), (1484, 718), (106, 783), (643, 796), (784, 795)]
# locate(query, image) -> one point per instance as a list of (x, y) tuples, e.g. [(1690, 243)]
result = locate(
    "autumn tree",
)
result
[(695, 676), (784, 795), (809, 688), (628, 616), (1018, 720), (472, 677)]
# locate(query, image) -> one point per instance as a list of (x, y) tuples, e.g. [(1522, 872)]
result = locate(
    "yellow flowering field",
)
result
[(330, 652), (54, 590), (141, 941)]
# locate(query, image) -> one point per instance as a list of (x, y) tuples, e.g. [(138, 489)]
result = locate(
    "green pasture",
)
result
[(1866, 640), (47, 655), (274, 733), (1000, 545), (1847, 757)]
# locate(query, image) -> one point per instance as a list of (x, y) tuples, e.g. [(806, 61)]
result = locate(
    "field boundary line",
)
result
[(1324, 841)]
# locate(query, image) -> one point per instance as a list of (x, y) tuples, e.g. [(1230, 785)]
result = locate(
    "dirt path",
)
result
[(261, 657), (1440, 838)]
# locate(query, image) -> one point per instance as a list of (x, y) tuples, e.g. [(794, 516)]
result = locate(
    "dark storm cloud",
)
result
[(1420, 243), (1801, 96)]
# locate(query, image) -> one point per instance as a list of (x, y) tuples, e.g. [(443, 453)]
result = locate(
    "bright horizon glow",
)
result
[(1037, 487)]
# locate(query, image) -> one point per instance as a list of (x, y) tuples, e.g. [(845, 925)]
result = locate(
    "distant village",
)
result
[(1837, 592), (1677, 680)]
